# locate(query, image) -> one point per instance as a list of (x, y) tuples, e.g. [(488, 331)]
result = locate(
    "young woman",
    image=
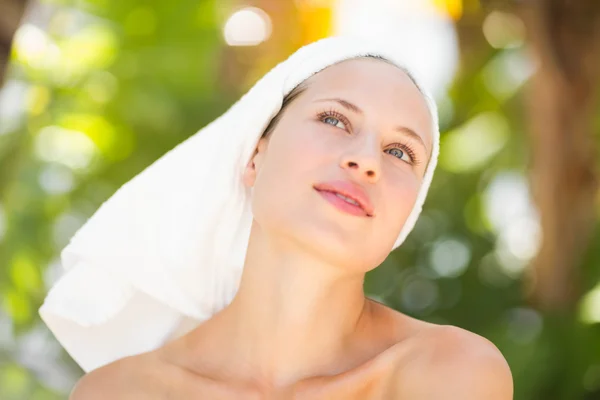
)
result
[(335, 181)]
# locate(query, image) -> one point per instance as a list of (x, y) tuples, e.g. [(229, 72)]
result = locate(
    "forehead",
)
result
[(375, 85), (365, 71)]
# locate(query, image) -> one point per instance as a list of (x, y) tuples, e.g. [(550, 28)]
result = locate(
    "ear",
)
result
[(255, 162)]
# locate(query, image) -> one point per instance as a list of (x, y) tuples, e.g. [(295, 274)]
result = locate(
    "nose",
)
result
[(363, 160)]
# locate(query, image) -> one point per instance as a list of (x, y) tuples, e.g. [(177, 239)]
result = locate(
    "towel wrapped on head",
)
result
[(166, 251)]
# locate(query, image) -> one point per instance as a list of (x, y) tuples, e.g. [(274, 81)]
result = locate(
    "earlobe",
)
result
[(251, 169), (249, 175)]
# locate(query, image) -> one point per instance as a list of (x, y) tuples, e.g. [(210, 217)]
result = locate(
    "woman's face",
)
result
[(362, 122)]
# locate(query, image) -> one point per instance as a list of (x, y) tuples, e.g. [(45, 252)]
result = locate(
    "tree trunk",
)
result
[(11, 12), (564, 40)]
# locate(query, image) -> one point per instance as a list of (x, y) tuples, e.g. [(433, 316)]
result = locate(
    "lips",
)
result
[(350, 190)]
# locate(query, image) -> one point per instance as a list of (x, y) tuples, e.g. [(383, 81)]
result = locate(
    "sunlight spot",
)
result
[(514, 218), (56, 179), (507, 199), (93, 47), (69, 147), (419, 295), (13, 97), (449, 258), (34, 48), (473, 144), (507, 72), (502, 30), (522, 237), (247, 27), (511, 265), (589, 306)]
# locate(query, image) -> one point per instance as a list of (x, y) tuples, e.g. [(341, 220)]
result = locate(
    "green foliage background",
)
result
[(120, 83)]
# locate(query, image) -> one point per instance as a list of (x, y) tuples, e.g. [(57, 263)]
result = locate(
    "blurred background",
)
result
[(508, 245)]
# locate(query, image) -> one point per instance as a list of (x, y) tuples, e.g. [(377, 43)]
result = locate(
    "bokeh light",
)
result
[(247, 27), (502, 30)]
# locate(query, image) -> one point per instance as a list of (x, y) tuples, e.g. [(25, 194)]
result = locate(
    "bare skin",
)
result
[(300, 326), (424, 361)]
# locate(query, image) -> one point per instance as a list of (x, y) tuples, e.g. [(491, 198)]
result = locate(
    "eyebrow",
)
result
[(402, 129)]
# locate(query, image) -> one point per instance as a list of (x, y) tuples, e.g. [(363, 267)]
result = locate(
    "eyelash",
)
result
[(337, 115)]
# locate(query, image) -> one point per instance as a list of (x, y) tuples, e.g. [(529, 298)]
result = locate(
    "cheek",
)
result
[(402, 195), (297, 151), (291, 157), (287, 174)]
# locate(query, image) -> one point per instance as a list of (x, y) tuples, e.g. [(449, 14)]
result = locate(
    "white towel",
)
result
[(166, 251)]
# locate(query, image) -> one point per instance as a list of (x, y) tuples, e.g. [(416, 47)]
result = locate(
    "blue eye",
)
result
[(397, 151), (334, 118), (334, 121), (401, 154)]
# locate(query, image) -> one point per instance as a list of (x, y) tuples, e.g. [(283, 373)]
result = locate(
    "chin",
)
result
[(337, 238), (337, 244)]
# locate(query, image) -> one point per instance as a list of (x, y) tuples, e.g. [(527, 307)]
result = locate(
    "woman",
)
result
[(347, 148)]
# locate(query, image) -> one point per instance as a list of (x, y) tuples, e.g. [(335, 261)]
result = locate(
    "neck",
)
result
[(292, 317)]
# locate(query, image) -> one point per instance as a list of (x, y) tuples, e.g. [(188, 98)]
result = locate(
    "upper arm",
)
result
[(456, 365)]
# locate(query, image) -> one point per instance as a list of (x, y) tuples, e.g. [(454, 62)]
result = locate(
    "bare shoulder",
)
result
[(135, 377), (447, 362)]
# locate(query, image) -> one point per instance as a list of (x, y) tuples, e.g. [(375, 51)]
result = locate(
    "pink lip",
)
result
[(350, 190)]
